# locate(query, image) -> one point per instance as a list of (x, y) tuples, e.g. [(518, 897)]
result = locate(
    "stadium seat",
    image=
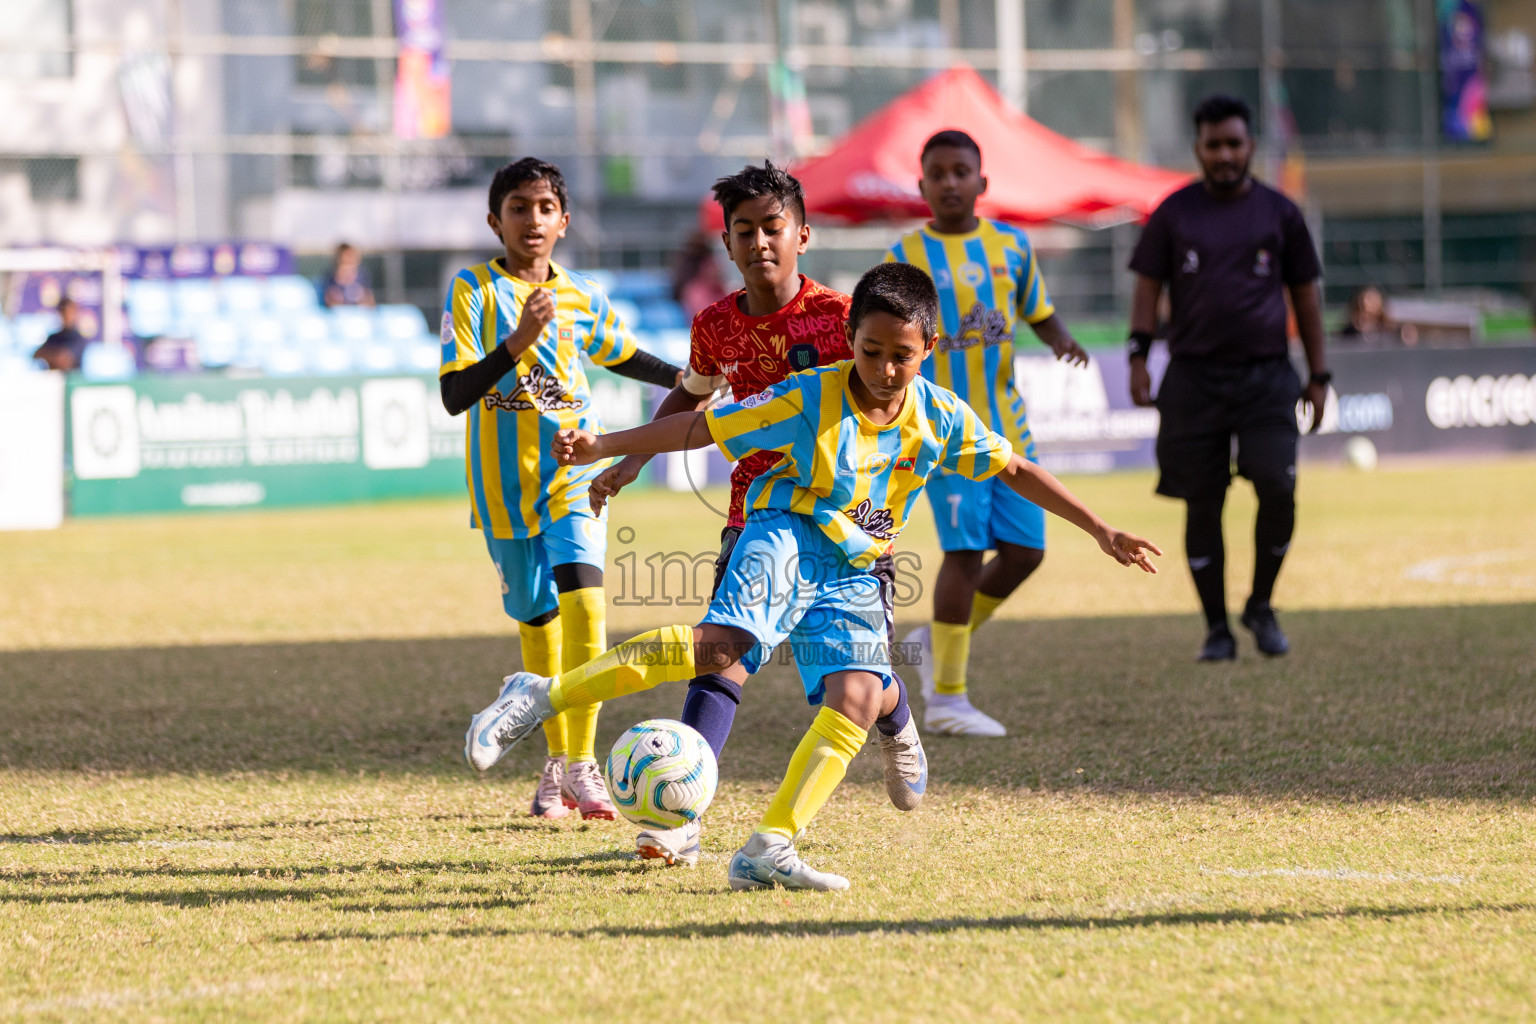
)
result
[(352, 324), (641, 286), (15, 362), (328, 359), (284, 361), (401, 323), (242, 296), (628, 312), (423, 356), (29, 330), (196, 301), (662, 315), (218, 341), (107, 362), (291, 294), (306, 329), (151, 312), (376, 358)]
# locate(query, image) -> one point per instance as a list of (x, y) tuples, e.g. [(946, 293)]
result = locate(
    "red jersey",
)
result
[(756, 352)]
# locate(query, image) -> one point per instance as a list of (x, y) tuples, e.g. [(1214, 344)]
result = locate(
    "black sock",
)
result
[(1207, 556), (710, 707), (1272, 530), (900, 715)]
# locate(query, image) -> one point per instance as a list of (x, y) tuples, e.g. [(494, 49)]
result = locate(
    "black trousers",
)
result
[(1203, 406)]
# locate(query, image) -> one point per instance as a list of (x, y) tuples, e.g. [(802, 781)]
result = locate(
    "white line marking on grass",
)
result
[(1460, 569), (1339, 874)]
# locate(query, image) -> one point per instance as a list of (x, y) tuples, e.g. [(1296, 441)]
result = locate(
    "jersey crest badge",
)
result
[(801, 357)]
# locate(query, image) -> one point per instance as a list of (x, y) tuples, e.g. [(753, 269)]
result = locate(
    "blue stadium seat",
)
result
[(424, 356), (376, 358), (15, 362), (242, 296), (196, 301), (628, 312), (641, 286), (107, 362), (402, 323), (307, 328), (284, 361), (328, 359), (662, 315), (291, 294), (352, 324), (151, 311), (29, 330), (257, 335), (218, 341)]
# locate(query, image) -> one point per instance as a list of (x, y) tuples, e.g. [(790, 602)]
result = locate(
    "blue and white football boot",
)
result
[(769, 859), (906, 766), (520, 709), (672, 845)]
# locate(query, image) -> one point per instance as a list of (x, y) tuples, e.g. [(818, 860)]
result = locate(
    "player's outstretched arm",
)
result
[(624, 472), (1040, 487), (1053, 333), (679, 433)]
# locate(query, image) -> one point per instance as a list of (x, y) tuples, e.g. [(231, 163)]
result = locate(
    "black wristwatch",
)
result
[(1324, 378)]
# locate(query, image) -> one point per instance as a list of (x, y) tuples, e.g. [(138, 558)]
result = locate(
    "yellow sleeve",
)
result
[(463, 327)]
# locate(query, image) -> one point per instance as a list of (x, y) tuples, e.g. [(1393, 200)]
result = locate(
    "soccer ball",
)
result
[(1360, 453), (662, 774)]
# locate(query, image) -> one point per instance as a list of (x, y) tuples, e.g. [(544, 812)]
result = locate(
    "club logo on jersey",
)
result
[(906, 465), (753, 401), (981, 326), (446, 330), (877, 522), (877, 463), (942, 278), (537, 389), (971, 274), (1191, 262), (801, 357), (1261, 263)]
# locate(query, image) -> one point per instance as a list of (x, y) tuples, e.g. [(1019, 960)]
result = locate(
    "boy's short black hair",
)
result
[(950, 137), (900, 289), (1216, 109), (754, 182), (521, 172)]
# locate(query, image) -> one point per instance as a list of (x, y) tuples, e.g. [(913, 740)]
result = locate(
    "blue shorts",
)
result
[(526, 566), (973, 515), (786, 580)]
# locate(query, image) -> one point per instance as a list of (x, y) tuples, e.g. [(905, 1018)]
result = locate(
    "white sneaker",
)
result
[(954, 716), (922, 636), (769, 859), (522, 707), (673, 845), (906, 766)]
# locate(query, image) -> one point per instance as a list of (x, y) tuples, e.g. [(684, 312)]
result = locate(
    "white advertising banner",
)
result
[(31, 451)]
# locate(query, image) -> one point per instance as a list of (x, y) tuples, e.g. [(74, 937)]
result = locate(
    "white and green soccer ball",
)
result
[(662, 774)]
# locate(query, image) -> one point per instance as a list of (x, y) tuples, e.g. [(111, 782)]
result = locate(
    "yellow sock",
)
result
[(818, 766), (662, 655), (541, 656), (584, 613), (982, 608), (951, 652)]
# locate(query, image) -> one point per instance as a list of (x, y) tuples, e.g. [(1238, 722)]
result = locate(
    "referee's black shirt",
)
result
[(1225, 261)]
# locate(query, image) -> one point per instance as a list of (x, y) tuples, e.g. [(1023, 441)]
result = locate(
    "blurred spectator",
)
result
[(63, 348), (696, 280), (347, 283), (1368, 320)]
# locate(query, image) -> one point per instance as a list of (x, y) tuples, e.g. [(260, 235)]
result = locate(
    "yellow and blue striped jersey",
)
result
[(988, 280), (858, 480), (516, 488)]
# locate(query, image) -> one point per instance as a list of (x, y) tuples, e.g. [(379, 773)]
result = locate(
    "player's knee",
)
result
[(1020, 560), (1275, 487), (855, 695)]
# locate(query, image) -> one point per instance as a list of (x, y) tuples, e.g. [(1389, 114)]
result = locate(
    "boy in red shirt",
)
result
[(779, 323)]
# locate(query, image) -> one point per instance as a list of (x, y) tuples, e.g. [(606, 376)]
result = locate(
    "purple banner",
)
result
[(1463, 84), (423, 92)]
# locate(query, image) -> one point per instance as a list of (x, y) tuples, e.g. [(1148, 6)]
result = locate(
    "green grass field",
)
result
[(233, 787)]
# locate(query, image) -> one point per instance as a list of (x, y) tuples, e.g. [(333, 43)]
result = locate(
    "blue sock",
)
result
[(900, 715), (710, 707)]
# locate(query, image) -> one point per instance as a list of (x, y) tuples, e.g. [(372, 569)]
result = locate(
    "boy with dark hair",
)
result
[(512, 332), (780, 322), (987, 279), (857, 440)]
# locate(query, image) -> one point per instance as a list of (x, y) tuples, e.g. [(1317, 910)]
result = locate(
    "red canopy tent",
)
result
[(1034, 174)]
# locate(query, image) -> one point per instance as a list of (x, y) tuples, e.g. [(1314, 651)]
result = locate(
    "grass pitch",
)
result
[(233, 788)]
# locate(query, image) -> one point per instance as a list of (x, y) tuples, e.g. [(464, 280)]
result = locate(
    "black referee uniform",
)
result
[(1226, 261)]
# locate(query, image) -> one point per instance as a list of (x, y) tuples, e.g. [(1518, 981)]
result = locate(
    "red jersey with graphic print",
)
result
[(756, 352)]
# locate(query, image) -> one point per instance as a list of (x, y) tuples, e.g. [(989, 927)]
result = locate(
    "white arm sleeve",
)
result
[(701, 386)]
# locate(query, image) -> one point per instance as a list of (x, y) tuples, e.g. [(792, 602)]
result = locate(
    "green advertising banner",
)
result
[(159, 444)]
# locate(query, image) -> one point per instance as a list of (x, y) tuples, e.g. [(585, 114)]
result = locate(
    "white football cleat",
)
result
[(673, 845), (522, 707), (906, 766), (922, 636), (954, 716), (769, 859)]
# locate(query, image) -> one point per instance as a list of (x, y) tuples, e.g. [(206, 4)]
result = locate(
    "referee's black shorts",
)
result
[(1203, 406)]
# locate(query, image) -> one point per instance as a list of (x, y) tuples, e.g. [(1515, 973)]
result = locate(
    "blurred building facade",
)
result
[(155, 121)]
